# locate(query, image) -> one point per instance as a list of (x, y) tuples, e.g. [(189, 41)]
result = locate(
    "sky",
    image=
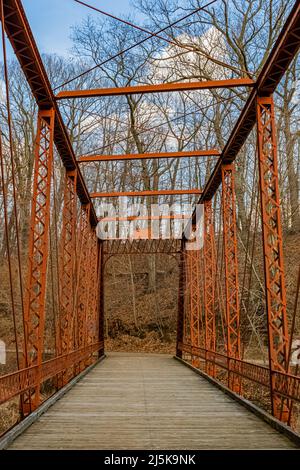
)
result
[(51, 20)]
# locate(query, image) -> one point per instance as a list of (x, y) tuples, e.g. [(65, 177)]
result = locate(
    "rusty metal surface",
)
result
[(84, 247), (68, 267), (35, 300), (180, 309), (143, 156), (231, 262), (272, 247), (161, 88), (192, 261)]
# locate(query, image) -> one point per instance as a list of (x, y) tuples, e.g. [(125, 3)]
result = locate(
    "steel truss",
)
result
[(273, 250), (161, 88), (82, 286), (166, 192), (181, 298), (209, 284), (67, 317), (35, 302), (193, 289), (145, 156), (231, 271)]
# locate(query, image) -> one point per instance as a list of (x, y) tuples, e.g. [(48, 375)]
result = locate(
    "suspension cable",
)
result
[(136, 44), (150, 129), (169, 41), (219, 273), (6, 79), (13, 306)]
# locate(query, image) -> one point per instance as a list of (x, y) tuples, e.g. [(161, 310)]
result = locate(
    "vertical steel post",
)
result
[(209, 285), (180, 313), (68, 256), (201, 296), (187, 300), (82, 295), (89, 275), (93, 294), (101, 296), (35, 309), (96, 309), (231, 272), (192, 299), (273, 249)]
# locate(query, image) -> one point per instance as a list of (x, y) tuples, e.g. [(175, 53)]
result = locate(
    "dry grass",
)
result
[(152, 343), (9, 415)]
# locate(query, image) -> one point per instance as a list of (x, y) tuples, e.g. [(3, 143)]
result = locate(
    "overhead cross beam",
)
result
[(68, 268), (144, 156), (162, 192), (194, 294), (150, 218), (161, 88)]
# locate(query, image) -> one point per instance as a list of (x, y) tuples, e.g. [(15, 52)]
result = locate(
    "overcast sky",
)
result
[(51, 20)]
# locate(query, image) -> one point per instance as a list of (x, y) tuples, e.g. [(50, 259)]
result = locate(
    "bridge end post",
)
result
[(231, 273)]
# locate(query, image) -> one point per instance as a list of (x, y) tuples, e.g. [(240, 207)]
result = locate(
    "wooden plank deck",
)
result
[(143, 401)]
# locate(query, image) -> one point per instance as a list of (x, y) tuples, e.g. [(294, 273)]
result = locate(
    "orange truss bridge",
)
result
[(209, 308)]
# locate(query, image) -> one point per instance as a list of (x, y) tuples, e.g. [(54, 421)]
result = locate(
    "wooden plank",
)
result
[(161, 192), (140, 401)]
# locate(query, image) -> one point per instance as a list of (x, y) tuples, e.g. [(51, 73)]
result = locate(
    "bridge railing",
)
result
[(286, 385)]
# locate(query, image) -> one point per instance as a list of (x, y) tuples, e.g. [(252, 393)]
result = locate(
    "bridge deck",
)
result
[(139, 401)]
